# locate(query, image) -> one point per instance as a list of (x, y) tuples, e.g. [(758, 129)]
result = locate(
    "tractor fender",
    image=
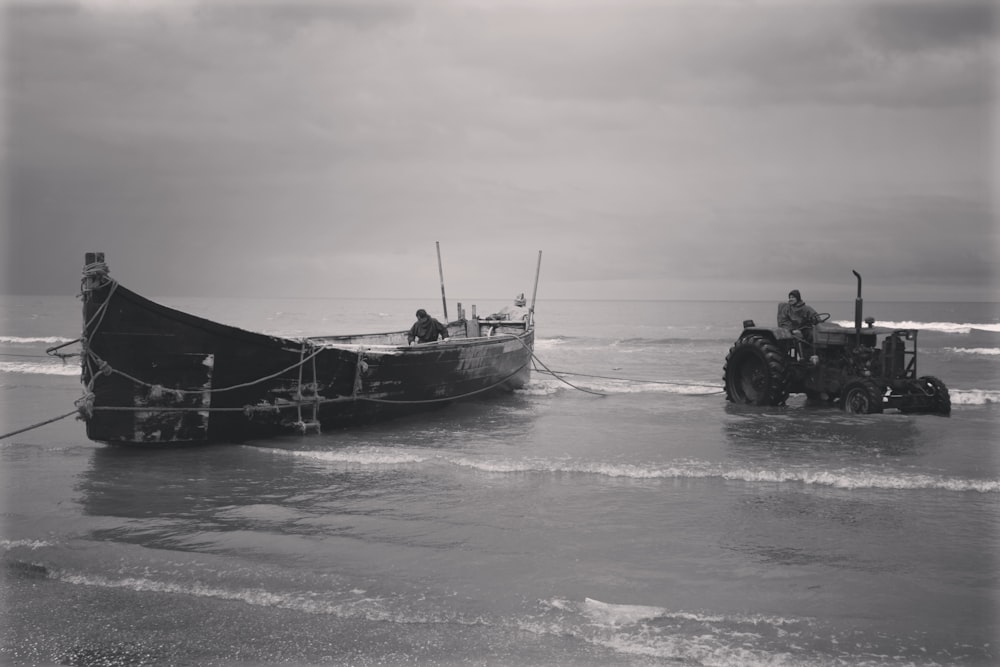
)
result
[(775, 335)]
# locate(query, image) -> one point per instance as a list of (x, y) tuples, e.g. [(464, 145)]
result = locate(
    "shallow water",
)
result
[(653, 524)]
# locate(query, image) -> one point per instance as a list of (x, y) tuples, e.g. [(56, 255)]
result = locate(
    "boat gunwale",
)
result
[(322, 341)]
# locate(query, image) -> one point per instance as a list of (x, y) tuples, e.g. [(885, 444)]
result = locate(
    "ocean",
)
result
[(616, 511)]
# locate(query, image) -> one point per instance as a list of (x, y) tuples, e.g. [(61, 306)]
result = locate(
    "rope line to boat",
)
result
[(34, 426), (642, 381), (558, 375), (538, 361)]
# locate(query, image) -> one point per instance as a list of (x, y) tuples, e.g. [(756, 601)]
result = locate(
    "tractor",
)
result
[(864, 370)]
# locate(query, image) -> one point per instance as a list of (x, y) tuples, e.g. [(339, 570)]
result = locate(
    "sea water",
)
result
[(616, 511)]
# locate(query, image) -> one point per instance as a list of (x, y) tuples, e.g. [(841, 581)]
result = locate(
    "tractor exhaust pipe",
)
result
[(858, 310)]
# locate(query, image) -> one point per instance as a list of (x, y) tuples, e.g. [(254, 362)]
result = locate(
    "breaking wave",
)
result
[(987, 351), (353, 604), (840, 479), (368, 456), (39, 368), (33, 340), (704, 638), (7, 545), (945, 327), (845, 478), (974, 396)]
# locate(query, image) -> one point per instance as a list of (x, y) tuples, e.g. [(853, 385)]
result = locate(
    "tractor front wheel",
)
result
[(756, 372), (861, 398)]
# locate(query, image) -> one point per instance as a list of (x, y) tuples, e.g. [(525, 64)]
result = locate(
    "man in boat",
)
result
[(515, 312), (426, 329), (796, 315)]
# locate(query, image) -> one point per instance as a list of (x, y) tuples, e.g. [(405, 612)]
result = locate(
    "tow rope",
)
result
[(637, 381), (34, 426)]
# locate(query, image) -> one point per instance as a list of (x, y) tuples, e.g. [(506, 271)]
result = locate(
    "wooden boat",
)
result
[(157, 375)]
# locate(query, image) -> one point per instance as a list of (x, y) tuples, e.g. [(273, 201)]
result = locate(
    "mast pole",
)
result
[(444, 301), (534, 291)]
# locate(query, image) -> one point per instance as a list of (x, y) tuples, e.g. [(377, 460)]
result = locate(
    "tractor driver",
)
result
[(796, 315)]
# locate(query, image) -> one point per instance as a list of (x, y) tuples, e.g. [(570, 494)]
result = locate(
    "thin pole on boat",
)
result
[(444, 301), (534, 292)]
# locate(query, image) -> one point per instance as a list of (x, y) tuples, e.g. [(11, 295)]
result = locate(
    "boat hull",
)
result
[(155, 375)]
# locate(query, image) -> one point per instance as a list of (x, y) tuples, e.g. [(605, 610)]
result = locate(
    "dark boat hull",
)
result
[(157, 375)]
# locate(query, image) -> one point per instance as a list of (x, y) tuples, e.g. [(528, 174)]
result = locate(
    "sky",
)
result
[(650, 149)]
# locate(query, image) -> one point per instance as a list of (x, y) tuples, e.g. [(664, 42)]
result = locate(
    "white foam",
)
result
[(721, 640), (841, 479), (845, 478), (349, 606), (7, 545), (974, 396), (619, 614), (987, 351), (33, 340), (945, 327), (548, 343), (540, 386), (374, 456), (33, 368), (256, 597)]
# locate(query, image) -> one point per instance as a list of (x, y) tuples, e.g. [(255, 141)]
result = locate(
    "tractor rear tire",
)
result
[(756, 372), (861, 398)]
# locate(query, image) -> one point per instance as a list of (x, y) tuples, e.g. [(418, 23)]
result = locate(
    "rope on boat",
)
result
[(250, 409), (558, 375), (51, 351), (107, 369)]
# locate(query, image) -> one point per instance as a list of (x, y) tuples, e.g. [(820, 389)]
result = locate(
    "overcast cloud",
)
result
[(651, 149)]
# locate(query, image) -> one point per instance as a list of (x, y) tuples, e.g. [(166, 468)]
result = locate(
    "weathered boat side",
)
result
[(154, 374)]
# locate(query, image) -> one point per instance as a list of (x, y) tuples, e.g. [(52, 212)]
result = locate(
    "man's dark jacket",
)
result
[(427, 330)]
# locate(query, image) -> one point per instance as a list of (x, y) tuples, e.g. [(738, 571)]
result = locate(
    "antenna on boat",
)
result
[(534, 292), (858, 311), (444, 301)]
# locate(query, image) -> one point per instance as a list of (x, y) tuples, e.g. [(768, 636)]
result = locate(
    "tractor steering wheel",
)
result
[(821, 317)]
